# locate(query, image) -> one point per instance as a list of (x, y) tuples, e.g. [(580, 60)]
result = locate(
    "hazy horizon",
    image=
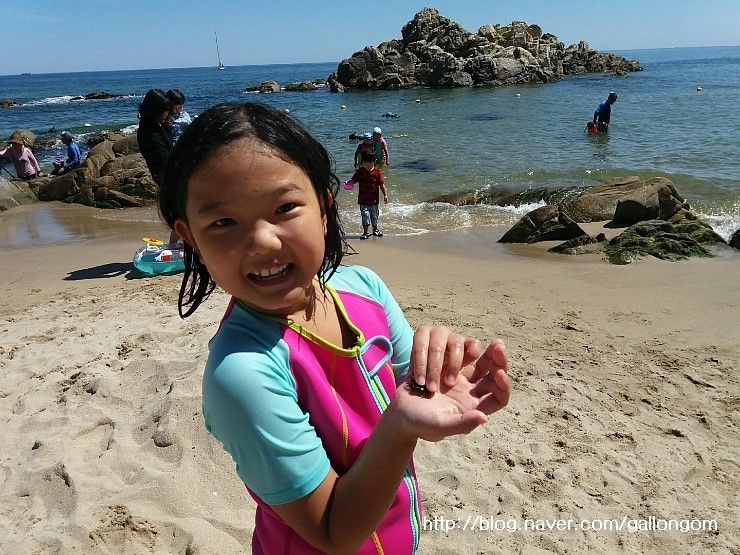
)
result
[(51, 37)]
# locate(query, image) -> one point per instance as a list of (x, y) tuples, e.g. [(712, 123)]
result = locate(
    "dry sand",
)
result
[(625, 401)]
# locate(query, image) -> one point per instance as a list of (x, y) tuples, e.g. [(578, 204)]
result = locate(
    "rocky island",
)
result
[(436, 52)]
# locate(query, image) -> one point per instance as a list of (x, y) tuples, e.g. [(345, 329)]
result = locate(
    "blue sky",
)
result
[(42, 36)]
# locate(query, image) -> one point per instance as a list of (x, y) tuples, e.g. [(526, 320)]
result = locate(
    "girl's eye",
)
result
[(223, 222), (287, 207)]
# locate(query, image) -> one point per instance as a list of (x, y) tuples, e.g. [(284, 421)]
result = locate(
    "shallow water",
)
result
[(512, 138)]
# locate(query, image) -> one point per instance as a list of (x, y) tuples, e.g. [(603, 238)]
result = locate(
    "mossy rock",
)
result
[(662, 240)]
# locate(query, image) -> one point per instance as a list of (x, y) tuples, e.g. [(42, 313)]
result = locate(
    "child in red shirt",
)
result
[(371, 182)]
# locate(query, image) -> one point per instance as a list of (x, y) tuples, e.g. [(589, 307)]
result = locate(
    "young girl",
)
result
[(315, 383)]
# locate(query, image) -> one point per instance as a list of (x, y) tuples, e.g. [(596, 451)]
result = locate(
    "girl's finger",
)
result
[(419, 352), (494, 392), (492, 359), (455, 356), (473, 351), (436, 352)]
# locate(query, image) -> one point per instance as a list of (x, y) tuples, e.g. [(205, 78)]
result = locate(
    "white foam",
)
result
[(50, 100), (522, 208), (724, 224)]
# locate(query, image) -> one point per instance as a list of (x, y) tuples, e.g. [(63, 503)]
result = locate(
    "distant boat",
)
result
[(220, 65)]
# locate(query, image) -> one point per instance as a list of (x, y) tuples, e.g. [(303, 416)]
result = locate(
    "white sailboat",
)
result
[(220, 65)]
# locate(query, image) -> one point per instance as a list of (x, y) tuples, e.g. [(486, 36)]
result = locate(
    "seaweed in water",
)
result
[(422, 166)]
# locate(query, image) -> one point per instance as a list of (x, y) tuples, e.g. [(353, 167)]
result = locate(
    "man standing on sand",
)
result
[(603, 113)]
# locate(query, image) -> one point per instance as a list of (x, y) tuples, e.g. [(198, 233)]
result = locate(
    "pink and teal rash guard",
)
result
[(287, 405)]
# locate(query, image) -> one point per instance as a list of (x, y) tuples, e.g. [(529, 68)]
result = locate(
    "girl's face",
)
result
[(256, 223)]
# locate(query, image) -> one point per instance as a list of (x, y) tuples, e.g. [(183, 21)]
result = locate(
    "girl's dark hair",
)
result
[(155, 104), (219, 126), (176, 96)]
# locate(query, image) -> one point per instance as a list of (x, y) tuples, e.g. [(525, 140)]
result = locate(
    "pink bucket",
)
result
[(348, 185)]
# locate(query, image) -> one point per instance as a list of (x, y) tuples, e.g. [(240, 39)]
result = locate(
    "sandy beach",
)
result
[(623, 419)]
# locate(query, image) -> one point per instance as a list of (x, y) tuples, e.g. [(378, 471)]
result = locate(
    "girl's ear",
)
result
[(182, 228), (329, 203)]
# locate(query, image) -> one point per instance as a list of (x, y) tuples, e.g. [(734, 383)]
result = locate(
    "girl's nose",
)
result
[(263, 239)]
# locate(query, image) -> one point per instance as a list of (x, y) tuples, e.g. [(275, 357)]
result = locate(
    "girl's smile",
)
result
[(255, 221)]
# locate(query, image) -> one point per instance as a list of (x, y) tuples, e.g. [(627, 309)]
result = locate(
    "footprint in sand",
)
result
[(77, 384), (93, 442), (53, 487), (122, 532)]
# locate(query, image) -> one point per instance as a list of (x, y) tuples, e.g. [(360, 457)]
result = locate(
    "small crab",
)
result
[(417, 389)]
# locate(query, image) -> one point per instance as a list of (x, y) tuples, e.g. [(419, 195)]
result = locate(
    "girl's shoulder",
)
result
[(360, 280)]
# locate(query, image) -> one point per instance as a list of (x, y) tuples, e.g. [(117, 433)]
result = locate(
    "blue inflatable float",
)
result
[(157, 258)]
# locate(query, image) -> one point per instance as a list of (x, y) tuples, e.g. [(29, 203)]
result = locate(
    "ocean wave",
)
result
[(48, 101), (66, 99), (724, 223)]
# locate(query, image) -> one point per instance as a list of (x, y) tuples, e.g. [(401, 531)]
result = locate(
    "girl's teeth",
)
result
[(269, 272)]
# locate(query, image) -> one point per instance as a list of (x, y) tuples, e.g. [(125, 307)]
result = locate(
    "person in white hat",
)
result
[(381, 148)]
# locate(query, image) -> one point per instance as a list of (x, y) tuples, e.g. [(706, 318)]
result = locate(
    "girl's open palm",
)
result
[(481, 388)]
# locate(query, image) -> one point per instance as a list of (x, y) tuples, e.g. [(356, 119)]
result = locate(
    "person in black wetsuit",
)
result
[(154, 136), (155, 139), (603, 113)]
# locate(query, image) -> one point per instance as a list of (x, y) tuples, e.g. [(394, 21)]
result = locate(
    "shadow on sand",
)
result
[(113, 269)]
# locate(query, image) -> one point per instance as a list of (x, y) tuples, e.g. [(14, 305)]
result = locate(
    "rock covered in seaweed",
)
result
[(435, 51), (656, 217)]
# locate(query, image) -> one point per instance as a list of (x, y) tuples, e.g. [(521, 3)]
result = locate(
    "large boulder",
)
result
[(265, 87), (437, 52), (126, 145), (656, 199), (14, 193), (547, 223), (99, 155), (734, 241), (598, 203), (502, 197), (24, 136)]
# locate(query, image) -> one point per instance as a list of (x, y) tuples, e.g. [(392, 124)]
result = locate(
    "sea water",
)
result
[(677, 118)]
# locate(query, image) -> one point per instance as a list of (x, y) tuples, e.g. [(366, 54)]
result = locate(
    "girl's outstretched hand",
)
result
[(438, 355), (480, 388)]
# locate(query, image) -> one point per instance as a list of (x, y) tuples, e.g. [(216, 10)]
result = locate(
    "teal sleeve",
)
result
[(250, 405)]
